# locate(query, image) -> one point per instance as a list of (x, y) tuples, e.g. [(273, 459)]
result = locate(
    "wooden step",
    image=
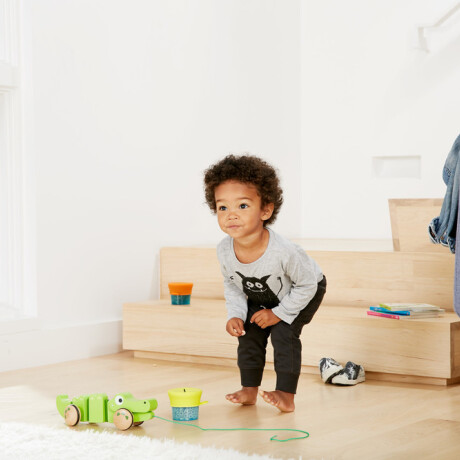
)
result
[(354, 278), (421, 351), (409, 224)]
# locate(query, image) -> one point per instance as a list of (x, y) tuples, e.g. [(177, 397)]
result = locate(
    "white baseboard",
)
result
[(38, 347)]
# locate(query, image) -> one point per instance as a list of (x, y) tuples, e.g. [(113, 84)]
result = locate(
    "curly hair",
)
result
[(248, 169)]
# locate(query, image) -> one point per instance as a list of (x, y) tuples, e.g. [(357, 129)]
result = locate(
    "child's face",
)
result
[(239, 211)]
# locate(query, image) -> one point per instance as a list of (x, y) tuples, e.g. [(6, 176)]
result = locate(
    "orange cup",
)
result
[(180, 293)]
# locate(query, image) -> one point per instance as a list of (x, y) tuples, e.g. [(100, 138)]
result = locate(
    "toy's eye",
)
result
[(249, 284), (119, 400), (259, 285)]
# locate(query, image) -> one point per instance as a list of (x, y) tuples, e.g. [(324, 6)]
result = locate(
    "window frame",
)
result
[(14, 274)]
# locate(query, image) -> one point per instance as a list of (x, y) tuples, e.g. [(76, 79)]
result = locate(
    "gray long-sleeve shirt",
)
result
[(284, 278)]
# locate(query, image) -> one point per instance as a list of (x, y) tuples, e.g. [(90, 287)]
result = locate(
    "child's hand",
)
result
[(235, 327), (265, 318)]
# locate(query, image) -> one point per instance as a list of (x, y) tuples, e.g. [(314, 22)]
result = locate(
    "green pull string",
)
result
[(273, 438)]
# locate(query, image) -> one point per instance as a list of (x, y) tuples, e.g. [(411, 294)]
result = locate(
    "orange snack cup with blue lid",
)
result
[(180, 293)]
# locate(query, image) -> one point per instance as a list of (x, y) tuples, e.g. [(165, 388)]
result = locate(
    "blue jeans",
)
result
[(443, 229)]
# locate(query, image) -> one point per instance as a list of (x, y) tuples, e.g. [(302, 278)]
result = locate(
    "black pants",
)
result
[(286, 343)]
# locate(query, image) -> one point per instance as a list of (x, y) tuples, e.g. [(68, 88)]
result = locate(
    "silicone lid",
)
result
[(185, 397), (180, 288)]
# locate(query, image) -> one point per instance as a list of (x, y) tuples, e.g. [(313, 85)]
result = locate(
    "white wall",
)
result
[(126, 103), (367, 91), (131, 101)]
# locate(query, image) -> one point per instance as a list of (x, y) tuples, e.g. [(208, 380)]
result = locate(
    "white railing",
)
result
[(422, 40)]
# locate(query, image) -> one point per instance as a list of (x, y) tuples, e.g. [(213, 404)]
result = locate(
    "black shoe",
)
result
[(329, 367), (351, 374)]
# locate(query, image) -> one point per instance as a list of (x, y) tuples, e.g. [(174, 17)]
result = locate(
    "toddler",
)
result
[(271, 286)]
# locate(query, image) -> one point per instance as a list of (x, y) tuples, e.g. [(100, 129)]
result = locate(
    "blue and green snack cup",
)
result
[(185, 403), (180, 293)]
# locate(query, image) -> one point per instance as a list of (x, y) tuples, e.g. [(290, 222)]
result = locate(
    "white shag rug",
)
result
[(23, 441)]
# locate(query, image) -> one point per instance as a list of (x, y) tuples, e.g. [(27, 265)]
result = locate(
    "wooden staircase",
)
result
[(417, 351)]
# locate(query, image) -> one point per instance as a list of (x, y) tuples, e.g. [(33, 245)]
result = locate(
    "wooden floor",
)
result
[(372, 420)]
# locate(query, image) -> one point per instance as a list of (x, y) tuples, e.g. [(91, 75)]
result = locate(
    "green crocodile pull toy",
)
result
[(124, 411)]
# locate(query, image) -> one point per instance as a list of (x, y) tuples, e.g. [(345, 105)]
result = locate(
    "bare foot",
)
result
[(280, 399), (246, 396)]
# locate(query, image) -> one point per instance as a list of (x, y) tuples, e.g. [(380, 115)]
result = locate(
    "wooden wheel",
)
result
[(138, 423), (72, 415), (123, 419)]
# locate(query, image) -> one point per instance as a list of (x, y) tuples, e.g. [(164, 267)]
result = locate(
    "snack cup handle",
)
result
[(203, 402)]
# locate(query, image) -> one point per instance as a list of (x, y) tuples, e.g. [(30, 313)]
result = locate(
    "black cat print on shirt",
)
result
[(259, 292)]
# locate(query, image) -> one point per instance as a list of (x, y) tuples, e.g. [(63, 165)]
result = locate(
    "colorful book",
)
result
[(418, 314), (432, 314), (385, 310), (382, 315), (409, 306)]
